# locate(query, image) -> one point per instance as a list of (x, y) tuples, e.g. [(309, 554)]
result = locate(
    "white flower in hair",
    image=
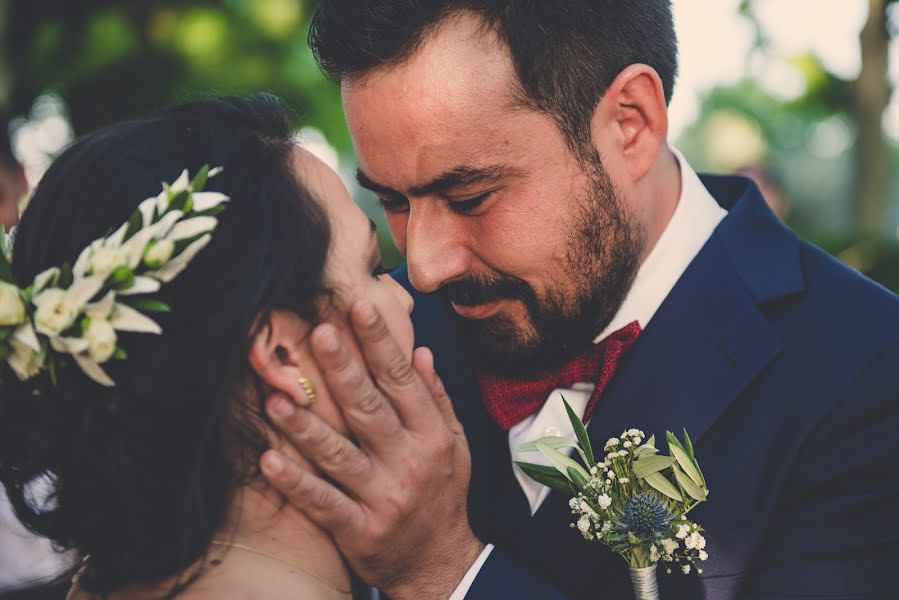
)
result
[(101, 339), (12, 309), (78, 311), (158, 253), (57, 309)]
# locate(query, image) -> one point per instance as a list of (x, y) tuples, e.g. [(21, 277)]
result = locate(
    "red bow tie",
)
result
[(510, 401)]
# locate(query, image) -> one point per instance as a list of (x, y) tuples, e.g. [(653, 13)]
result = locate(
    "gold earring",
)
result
[(307, 386)]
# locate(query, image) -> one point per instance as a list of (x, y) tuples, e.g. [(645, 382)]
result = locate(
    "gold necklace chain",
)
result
[(252, 550)]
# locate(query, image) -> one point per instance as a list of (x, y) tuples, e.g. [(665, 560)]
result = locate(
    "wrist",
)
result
[(441, 575)]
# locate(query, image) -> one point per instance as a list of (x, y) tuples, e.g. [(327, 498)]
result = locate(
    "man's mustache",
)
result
[(471, 291)]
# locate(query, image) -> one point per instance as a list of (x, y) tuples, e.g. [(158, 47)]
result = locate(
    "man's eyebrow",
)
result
[(370, 184), (458, 177), (462, 176)]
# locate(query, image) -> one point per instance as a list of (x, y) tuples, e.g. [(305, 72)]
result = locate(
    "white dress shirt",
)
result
[(694, 219)]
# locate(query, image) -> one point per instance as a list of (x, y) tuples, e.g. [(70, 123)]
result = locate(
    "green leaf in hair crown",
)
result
[(74, 313)]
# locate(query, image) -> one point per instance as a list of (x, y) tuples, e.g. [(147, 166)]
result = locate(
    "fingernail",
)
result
[(281, 408), (272, 463), (365, 311)]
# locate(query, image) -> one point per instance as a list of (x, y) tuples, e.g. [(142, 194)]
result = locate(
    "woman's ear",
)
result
[(277, 355)]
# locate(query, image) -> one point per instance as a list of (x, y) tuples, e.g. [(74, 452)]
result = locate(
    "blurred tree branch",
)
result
[(870, 96)]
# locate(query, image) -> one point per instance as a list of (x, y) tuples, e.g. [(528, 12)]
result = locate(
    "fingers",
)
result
[(315, 440), (393, 372), (423, 361), (327, 506), (369, 415)]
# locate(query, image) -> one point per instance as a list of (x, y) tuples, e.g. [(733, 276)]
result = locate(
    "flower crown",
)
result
[(77, 310)]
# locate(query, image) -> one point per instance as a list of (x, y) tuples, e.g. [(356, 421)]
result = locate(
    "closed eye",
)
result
[(394, 205), (465, 207)]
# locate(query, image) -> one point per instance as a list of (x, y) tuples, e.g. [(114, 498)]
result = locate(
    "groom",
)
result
[(559, 246)]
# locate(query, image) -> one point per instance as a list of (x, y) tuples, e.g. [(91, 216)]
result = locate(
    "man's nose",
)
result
[(435, 249)]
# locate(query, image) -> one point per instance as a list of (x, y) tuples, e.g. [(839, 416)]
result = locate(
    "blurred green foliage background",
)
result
[(98, 61)]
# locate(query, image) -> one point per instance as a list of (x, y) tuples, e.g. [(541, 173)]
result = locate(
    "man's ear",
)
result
[(277, 354), (632, 117)]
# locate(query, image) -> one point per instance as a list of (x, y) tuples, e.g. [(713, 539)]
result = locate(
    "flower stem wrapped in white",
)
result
[(77, 311)]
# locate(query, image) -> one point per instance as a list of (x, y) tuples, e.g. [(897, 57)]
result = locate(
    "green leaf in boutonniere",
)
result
[(660, 483), (581, 432), (683, 459), (579, 481), (647, 465), (560, 461), (553, 442), (693, 490), (547, 476)]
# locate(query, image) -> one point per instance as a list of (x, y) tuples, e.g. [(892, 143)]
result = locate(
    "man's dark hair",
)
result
[(566, 52)]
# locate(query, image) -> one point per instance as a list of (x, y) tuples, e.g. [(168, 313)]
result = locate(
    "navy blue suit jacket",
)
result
[(783, 365)]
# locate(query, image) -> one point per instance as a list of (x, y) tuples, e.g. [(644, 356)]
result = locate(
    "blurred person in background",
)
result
[(770, 185)]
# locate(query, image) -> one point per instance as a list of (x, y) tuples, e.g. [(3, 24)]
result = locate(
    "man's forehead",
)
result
[(460, 57)]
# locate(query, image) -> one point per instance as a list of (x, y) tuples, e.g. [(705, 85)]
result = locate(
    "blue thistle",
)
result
[(646, 517)]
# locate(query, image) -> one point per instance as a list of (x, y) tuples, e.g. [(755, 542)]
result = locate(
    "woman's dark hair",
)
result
[(141, 475), (566, 52)]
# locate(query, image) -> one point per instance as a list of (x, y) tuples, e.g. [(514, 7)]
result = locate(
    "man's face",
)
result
[(490, 206)]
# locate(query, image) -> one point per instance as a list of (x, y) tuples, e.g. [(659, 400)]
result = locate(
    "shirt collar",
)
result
[(694, 219)]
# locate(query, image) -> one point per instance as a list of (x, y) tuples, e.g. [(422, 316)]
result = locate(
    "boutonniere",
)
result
[(635, 500)]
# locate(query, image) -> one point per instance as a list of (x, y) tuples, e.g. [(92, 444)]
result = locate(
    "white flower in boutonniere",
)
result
[(635, 500), (76, 311)]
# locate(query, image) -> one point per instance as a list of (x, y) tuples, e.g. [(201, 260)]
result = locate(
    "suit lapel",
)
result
[(710, 337)]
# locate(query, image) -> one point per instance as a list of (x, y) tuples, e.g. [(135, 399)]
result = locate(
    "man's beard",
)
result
[(603, 257)]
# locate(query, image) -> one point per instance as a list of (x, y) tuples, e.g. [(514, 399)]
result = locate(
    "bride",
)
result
[(153, 474)]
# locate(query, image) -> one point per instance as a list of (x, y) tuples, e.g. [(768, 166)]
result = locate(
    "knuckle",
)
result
[(378, 331), (369, 401), (293, 485), (351, 376), (321, 497), (337, 452), (414, 474), (445, 442), (401, 371), (341, 361)]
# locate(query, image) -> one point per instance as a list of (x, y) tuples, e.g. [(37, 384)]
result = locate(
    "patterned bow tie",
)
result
[(510, 401)]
